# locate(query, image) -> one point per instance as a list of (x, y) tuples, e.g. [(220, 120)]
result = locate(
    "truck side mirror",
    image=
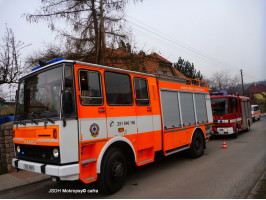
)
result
[(67, 103)]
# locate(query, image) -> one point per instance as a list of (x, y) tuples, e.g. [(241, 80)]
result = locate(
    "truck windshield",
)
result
[(219, 106), (39, 95)]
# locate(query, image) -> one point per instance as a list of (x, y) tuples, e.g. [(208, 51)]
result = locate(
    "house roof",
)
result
[(256, 88), (179, 74), (138, 62)]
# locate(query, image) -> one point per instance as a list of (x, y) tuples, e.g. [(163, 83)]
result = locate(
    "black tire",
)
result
[(235, 134), (113, 172), (259, 118), (197, 145)]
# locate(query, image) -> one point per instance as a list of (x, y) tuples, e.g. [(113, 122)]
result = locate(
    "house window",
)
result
[(164, 72)]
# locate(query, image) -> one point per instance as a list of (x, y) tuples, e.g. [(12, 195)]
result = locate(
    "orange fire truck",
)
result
[(77, 120)]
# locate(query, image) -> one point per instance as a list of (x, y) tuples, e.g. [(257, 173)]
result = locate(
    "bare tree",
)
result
[(95, 23), (10, 58), (49, 52), (224, 80), (2, 95)]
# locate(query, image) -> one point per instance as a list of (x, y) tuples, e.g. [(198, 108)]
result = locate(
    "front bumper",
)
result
[(65, 172), (223, 131)]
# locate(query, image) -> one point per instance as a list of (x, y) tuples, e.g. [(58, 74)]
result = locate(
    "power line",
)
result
[(171, 45), (171, 40)]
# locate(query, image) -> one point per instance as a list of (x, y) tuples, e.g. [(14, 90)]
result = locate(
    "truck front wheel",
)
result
[(235, 134), (113, 171)]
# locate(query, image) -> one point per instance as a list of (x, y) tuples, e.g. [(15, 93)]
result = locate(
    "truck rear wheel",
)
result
[(113, 171), (197, 145)]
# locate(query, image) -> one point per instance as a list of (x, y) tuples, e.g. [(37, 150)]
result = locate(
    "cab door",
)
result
[(91, 105)]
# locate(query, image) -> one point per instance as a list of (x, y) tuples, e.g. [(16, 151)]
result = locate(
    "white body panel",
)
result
[(67, 172), (85, 124), (225, 130), (209, 107), (128, 123)]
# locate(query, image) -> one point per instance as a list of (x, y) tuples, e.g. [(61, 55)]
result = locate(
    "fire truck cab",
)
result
[(231, 113), (77, 120)]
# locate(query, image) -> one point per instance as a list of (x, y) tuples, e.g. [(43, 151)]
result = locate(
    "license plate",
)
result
[(221, 132), (28, 167)]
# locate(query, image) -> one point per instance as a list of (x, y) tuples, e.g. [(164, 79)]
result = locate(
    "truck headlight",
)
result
[(18, 149), (55, 153)]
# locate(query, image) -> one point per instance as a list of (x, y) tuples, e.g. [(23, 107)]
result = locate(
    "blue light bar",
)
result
[(49, 62), (216, 93), (225, 92), (222, 92)]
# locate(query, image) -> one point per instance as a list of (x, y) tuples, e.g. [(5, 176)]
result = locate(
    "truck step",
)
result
[(177, 150), (144, 161), (90, 160), (89, 178)]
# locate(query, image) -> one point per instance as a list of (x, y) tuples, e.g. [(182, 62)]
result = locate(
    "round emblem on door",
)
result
[(94, 129)]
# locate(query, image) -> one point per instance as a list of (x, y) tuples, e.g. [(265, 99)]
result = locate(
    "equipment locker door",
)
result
[(171, 120), (244, 116)]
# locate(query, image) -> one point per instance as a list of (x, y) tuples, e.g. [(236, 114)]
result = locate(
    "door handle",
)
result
[(101, 110), (149, 109)]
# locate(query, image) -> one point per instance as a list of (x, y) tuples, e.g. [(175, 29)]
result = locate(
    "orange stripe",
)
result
[(37, 135)]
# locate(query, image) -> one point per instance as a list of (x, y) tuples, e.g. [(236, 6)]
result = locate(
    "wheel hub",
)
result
[(117, 170)]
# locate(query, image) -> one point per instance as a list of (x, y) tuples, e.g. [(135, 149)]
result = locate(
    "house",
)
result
[(151, 64), (257, 90), (257, 94)]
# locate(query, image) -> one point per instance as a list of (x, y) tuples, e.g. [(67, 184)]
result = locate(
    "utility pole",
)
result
[(241, 72)]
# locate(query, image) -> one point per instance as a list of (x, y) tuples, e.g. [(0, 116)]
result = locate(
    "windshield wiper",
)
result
[(50, 120), (21, 122), (33, 120)]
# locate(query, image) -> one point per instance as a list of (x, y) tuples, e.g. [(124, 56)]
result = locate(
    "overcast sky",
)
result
[(213, 34)]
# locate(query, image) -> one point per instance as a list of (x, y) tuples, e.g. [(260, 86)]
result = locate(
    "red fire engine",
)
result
[(77, 120), (231, 113)]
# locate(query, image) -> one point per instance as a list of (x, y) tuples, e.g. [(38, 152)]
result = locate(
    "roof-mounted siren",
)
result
[(43, 63), (221, 92)]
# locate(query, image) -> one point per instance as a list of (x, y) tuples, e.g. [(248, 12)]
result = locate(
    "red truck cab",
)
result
[(231, 113)]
